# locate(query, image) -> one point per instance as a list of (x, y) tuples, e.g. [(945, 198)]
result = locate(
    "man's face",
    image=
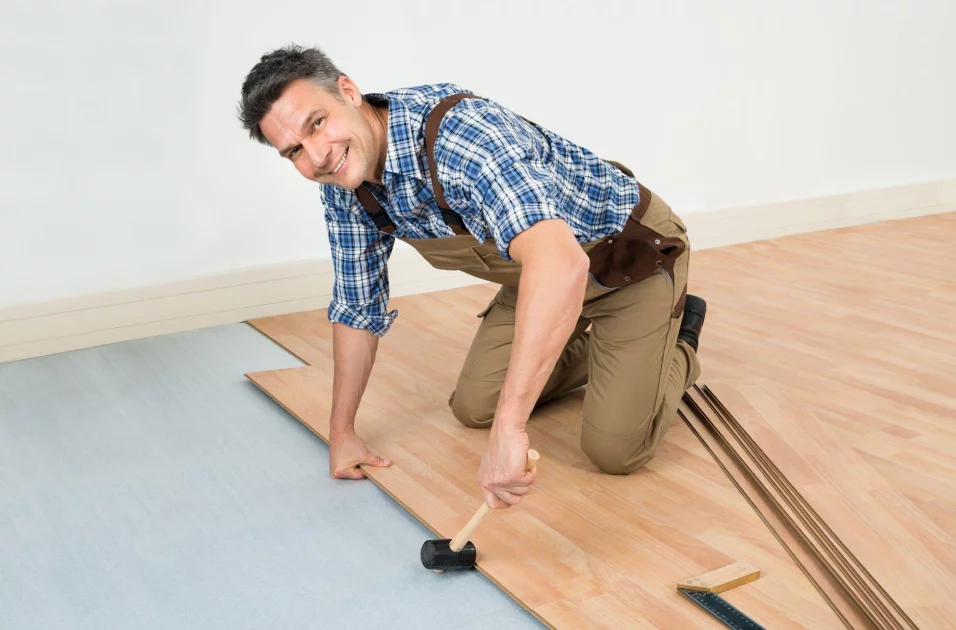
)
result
[(328, 140)]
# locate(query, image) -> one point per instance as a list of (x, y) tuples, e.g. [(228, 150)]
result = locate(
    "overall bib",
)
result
[(635, 368)]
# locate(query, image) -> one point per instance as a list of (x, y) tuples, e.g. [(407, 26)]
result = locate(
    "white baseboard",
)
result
[(740, 225), (62, 325), (70, 324)]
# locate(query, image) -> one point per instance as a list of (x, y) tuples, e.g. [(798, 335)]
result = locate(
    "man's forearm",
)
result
[(354, 353), (550, 297)]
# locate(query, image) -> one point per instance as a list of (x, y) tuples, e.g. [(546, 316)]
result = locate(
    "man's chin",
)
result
[(351, 182)]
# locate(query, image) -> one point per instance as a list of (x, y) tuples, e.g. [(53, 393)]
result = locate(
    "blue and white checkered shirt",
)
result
[(499, 172)]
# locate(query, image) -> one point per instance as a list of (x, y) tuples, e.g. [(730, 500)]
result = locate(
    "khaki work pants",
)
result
[(624, 348)]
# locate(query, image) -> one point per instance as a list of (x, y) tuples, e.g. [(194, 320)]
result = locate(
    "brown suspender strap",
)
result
[(642, 203), (637, 213), (451, 218), (431, 135), (374, 209)]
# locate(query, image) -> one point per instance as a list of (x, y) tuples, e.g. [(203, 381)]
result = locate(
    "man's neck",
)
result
[(377, 115)]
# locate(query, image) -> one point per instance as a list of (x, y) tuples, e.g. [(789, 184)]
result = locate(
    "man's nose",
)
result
[(318, 153)]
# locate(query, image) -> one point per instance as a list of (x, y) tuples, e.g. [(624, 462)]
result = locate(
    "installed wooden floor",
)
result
[(838, 353), (850, 321)]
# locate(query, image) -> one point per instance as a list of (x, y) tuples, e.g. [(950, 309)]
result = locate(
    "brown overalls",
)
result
[(635, 368)]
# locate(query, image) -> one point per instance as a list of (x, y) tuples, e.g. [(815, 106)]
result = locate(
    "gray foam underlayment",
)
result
[(149, 484)]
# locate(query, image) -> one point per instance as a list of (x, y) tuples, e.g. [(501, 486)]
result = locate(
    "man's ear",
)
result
[(349, 91)]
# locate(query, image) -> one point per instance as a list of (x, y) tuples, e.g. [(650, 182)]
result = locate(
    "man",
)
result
[(593, 267)]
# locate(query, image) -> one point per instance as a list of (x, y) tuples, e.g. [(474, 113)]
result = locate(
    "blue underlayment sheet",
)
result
[(149, 484)]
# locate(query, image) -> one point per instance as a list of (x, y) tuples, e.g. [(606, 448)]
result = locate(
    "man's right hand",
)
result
[(346, 452)]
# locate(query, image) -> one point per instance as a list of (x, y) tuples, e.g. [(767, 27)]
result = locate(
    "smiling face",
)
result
[(338, 141)]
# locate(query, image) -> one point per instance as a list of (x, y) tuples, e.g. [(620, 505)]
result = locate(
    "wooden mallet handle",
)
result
[(461, 539)]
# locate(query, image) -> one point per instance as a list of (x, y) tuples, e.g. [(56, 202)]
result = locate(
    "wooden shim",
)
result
[(722, 579)]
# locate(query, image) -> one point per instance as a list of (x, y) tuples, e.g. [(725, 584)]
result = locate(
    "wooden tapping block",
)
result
[(723, 579)]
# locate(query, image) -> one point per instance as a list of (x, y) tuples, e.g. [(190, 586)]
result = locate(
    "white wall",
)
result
[(124, 165)]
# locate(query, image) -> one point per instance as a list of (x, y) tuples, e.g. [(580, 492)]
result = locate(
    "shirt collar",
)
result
[(404, 150)]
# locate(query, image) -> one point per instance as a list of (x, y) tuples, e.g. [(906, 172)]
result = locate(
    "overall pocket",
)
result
[(634, 255)]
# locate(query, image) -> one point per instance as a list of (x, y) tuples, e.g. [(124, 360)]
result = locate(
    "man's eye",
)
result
[(293, 152), (317, 122)]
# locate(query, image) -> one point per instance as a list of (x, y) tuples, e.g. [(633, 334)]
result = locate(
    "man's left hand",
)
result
[(502, 474)]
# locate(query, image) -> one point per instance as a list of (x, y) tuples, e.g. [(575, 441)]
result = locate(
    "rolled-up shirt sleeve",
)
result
[(360, 253), (492, 160)]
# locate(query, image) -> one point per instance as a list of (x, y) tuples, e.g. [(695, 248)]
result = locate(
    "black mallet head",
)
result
[(438, 556), (441, 555)]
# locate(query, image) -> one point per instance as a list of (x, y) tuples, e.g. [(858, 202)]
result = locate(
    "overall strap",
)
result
[(432, 123), (374, 209), (431, 135)]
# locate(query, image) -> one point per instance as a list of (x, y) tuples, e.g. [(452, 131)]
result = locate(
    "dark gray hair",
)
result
[(275, 71)]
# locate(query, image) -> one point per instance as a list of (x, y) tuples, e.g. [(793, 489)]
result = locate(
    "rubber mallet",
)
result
[(459, 553)]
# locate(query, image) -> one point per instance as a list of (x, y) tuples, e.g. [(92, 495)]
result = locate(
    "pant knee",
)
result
[(470, 409), (615, 455), (615, 464)]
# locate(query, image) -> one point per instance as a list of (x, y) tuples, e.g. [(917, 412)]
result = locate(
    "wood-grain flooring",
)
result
[(843, 369), (853, 322)]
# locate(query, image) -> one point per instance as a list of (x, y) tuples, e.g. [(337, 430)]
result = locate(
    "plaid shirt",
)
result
[(499, 172)]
